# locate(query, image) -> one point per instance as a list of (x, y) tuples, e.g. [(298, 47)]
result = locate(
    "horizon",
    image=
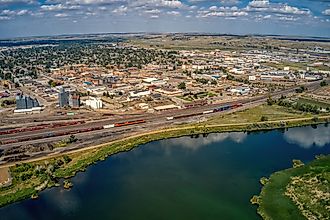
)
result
[(30, 18), (166, 33)]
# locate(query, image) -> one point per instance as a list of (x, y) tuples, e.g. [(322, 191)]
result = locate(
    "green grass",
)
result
[(274, 204), (297, 66), (273, 112), (304, 100)]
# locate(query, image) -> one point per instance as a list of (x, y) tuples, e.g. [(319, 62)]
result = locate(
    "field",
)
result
[(303, 100), (273, 112), (297, 66), (301, 192), (229, 43), (4, 175)]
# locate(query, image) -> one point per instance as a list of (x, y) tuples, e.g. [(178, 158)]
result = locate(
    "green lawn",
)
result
[(308, 184), (273, 112)]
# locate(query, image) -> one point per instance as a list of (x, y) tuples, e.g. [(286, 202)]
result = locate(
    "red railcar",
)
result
[(129, 123)]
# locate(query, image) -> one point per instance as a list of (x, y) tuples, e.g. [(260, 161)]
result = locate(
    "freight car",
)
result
[(129, 123), (40, 127)]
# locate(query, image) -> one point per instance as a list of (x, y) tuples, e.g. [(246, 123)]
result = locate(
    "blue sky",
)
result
[(52, 17)]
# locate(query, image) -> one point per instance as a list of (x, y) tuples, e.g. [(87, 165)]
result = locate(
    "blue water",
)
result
[(210, 177)]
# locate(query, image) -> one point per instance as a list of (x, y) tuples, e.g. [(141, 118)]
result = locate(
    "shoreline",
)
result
[(201, 129), (80, 159), (282, 195)]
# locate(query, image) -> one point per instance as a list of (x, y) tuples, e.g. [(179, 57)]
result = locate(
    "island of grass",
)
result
[(300, 192), (29, 178)]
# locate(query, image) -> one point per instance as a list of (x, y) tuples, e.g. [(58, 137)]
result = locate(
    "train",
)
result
[(40, 127), (63, 133), (218, 109)]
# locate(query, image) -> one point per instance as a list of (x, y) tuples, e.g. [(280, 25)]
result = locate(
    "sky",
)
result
[(19, 18)]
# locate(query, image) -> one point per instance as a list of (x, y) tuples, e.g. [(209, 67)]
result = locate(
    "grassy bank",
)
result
[(30, 178), (301, 192)]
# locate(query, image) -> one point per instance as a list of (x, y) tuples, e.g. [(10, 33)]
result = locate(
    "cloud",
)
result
[(61, 15), (10, 14), (9, 2), (196, 143), (158, 3), (307, 137), (267, 7), (59, 7), (86, 2), (326, 12), (222, 12), (259, 3), (120, 10), (174, 13), (229, 2)]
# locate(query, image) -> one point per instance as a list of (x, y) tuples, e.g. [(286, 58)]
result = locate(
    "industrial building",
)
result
[(26, 102), (63, 98), (68, 99), (94, 103)]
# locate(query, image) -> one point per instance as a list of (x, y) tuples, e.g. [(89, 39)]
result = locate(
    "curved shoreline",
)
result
[(284, 195), (82, 158)]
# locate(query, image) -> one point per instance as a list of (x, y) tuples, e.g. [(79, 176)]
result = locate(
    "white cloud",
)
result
[(8, 14), (213, 8), (229, 2), (307, 137), (22, 12), (195, 143), (158, 3), (174, 13), (59, 7), (8, 2), (153, 11), (259, 3), (326, 12), (61, 15), (4, 18), (120, 10), (86, 2), (265, 6)]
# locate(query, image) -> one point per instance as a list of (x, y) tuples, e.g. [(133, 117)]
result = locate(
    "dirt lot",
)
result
[(4, 175)]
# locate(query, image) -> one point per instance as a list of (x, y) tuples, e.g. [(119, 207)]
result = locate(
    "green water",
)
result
[(210, 177)]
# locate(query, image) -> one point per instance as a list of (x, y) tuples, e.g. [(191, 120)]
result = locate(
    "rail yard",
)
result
[(14, 140)]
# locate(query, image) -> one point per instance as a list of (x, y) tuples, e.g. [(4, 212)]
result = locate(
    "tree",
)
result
[(51, 83), (264, 118), (323, 83), (301, 89), (182, 85), (270, 101), (230, 77), (72, 139)]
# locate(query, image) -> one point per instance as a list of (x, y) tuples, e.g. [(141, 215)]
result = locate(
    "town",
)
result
[(61, 97)]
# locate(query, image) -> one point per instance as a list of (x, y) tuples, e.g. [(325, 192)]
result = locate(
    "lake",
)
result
[(210, 177)]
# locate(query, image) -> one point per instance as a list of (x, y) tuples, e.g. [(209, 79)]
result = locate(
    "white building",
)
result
[(240, 90), (94, 103), (135, 94)]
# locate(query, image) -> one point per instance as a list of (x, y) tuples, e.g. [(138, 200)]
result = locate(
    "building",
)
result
[(94, 103), (63, 98), (26, 102), (66, 98), (74, 100)]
